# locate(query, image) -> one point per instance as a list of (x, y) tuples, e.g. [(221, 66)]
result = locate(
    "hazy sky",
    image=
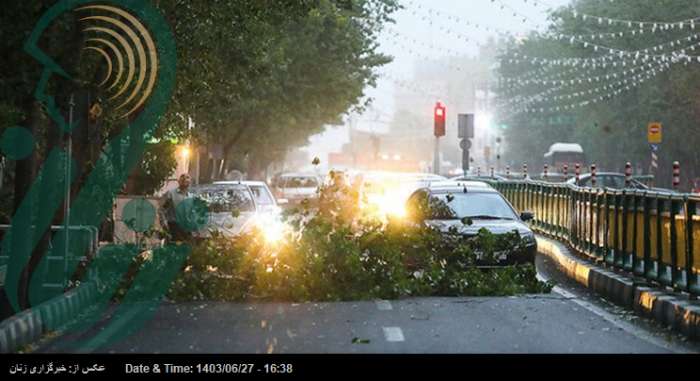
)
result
[(424, 26)]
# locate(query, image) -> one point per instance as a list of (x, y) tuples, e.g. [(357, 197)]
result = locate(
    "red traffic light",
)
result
[(440, 111)]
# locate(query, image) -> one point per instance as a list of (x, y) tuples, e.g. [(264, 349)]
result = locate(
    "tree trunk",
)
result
[(25, 175)]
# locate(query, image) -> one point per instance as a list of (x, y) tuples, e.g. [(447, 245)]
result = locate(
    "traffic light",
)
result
[(440, 112)]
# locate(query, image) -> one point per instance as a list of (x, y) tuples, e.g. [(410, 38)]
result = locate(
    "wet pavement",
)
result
[(568, 320)]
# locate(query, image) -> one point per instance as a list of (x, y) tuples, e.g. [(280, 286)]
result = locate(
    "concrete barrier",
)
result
[(30, 325), (675, 310)]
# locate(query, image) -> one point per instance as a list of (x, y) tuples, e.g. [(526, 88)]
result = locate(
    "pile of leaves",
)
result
[(334, 252)]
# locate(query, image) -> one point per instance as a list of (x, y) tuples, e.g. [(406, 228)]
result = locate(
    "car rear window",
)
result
[(300, 182)]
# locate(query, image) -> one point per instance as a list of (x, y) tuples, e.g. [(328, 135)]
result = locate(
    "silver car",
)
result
[(232, 209), (296, 187)]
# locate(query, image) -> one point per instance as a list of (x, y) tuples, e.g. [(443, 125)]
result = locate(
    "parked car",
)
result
[(231, 208), (467, 207), (262, 194), (293, 188), (495, 177), (605, 180), (614, 180), (234, 209)]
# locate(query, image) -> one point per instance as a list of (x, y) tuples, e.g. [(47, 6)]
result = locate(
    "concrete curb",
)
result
[(30, 325), (672, 309)]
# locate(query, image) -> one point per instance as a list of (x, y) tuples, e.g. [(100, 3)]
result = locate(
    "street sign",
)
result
[(465, 126), (654, 132), (654, 147), (465, 144)]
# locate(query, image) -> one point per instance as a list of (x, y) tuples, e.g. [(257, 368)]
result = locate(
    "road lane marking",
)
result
[(393, 334), (383, 305), (611, 318)]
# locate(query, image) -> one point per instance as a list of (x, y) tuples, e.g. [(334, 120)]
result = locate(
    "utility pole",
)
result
[(465, 131), (66, 202)]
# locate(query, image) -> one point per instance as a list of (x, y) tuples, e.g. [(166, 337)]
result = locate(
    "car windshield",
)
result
[(262, 196), (300, 182), (471, 205), (226, 198)]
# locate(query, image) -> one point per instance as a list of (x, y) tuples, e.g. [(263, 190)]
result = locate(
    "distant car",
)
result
[(293, 188), (613, 180), (452, 203), (495, 177), (554, 177), (388, 191)]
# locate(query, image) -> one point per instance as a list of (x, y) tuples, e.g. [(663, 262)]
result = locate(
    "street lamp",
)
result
[(185, 152)]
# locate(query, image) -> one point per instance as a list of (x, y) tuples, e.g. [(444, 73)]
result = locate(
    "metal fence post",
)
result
[(673, 212), (647, 267), (690, 275)]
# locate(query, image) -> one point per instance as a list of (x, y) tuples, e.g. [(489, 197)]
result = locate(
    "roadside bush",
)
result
[(337, 253)]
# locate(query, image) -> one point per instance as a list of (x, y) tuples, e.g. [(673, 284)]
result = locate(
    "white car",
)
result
[(262, 194), (295, 187), (234, 208)]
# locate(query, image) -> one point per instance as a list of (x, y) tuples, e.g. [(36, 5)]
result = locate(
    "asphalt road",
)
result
[(569, 320)]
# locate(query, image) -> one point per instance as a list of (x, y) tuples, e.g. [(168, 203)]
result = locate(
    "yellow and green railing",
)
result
[(655, 235)]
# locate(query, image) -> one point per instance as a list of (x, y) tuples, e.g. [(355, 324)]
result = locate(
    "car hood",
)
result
[(493, 226)]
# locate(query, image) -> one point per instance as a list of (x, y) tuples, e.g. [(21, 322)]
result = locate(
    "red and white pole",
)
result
[(508, 171), (628, 174), (478, 171), (492, 173), (676, 175), (525, 170), (594, 173), (566, 171), (577, 172), (546, 171)]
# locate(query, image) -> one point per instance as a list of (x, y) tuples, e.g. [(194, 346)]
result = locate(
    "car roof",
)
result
[(477, 177), (604, 174), (298, 174), (458, 186), (243, 182), (209, 187)]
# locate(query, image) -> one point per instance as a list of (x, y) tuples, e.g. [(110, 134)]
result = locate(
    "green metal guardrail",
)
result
[(654, 235)]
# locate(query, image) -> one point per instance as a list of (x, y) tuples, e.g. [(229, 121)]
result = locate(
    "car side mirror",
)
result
[(527, 216)]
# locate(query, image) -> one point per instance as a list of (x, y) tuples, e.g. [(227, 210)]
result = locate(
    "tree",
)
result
[(278, 75), (250, 74), (607, 108)]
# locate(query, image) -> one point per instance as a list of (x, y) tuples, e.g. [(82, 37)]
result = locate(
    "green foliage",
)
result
[(272, 73), (336, 253), (249, 74), (157, 166), (611, 131)]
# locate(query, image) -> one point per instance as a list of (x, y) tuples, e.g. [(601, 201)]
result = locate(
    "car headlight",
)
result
[(272, 228), (528, 237)]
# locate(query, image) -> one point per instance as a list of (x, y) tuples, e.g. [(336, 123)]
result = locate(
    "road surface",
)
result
[(569, 320)]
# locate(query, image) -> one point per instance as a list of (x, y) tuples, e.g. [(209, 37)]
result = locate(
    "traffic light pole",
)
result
[(436, 156), (438, 130)]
